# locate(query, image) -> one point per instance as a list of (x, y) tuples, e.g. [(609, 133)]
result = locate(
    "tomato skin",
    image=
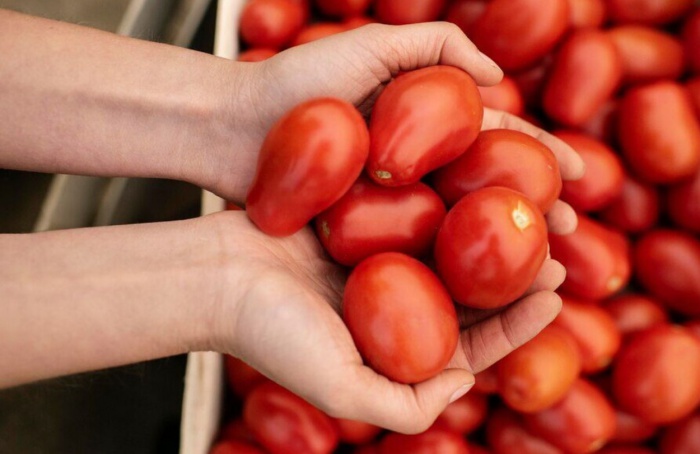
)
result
[(683, 203), (531, 81), (596, 259), (634, 312), (693, 87), (604, 175), (476, 449), (624, 449), (464, 13), (401, 317), (657, 374), (271, 23), (506, 435), (517, 41), (539, 373), (236, 430), (515, 232), (396, 12), (284, 423), (486, 381), (682, 437), (308, 160), (586, 72), (504, 96), (602, 125), (667, 264), (241, 378), (582, 422), (630, 428), (635, 209), (586, 13), (429, 442), (370, 219), (234, 447), (356, 432), (650, 12), (691, 40), (491, 161), (316, 31), (343, 8), (647, 54), (256, 54), (464, 415), (658, 132), (352, 23), (421, 121), (367, 449)]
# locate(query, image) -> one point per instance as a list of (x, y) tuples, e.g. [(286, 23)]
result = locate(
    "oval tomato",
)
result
[(624, 449), (234, 447), (352, 23), (586, 72), (539, 373), (370, 219), (602, 125), (667, 264), (237, 430), (596, 259), (343, 8), (308, 160), (356, 432), (516, 41), (486, 381), (284, 423), (429, 442), (464, 13), (316, 31), (635, 209), (683, 203), (657, 374), (647, 54), (630, 428), (693, 87), (421, 121), (691, 40), (531, 82), (634, 312), (658, 132), (271, 23), (240, 376), (682, 437), (504, 96), (502, 157), (256, 54), (464, 415), (506, 435), (401, 317), (490, 247), (651, 12), (586, 13), (396, 12)]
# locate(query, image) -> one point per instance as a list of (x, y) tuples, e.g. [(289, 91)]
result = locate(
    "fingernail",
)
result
[(488, 60), (462, 390)]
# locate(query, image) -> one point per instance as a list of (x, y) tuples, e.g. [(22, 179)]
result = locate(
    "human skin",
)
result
[(76, 100)]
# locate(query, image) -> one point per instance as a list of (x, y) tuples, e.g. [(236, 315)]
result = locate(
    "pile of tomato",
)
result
[(618, 371)]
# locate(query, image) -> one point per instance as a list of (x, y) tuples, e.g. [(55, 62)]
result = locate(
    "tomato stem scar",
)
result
[(521, 218), (326, 229), (383, 174)]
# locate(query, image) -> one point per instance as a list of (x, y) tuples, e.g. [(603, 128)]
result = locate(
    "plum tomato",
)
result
[(490, 247), (602, 124), (630, 428), (236, 430), (234, 447), (650, 12), (633, 312), (431, 441), (271, 23), (683, 203), (240, 376), (421, 121), (691, 40), (464, 415), (397, 12), (343, 8), (625, 449), (682, 437), (356, 432), (635, 209), (370, 219), (308, 160), (506, 434), (502, 157), (486, 381), (464, 13), (401, 317), (504, 96), (316, 31), (586, 13), (256, 54)]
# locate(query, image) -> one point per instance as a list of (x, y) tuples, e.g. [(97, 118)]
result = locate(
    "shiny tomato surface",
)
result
[(586, 13), (432, 441), (635, 209), (465, 414), (317, 31), (647, 54), (464, 13), (397, 12), (504, 96), (507, 435), (633, 312), (271, 23), (651, 12), (356, 432)]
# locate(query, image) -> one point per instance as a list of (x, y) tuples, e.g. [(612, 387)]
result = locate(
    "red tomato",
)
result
[(357, 22), (236, 430), (596, 259), (370, 219), (629, 428), (647, 54), (693, 87), (602, 124), (486, 381), (476, 449), (271, 23), (659, 133), (586, 72), (490, 247), (421, 121), (506, 435), (316, 31), (651, 12), (502, 157), (625, 449), (431, 441), (241, 377), (401, 317), (396, 12), (234, 447), (531, 82), (691, 41), (604, 175), (356, 432), (586, 13), (464, 415), (582, 422), (682, 437), (684, 203), (284, 423), (367, 449), (634, 312), (464, 13), (539, 373), (693, 327), (343, 8), (657, 374), (504, 96), (256, 54), (518, 40), (635, 209), (594, 331), (308, 160), (667, 263)]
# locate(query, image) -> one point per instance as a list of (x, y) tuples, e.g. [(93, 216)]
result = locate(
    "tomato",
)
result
[(594, 331), (284, 423), (504, 96), (502, 157), (237, 430), (586, 13), (667, 264), (356, 432), (693, 327), (367, 449), (602, 124), (531, 82), (539, 373), (429, 442), (693, 87), (396, 12), (657, 374), (486, 381), (658, 132), (490, 247), (343, 8), (271, 23), (650, 12), (464, 415), (604, 175), (647, 54), (635, 209), (234, 447), (518, 40), (319, 30), (256, 54), (401, 317), (476, 449), (691, 40), (352, 23), (682, 437), (581, 422), (370, 219), (308, 160), (596, 259), (241, 377), (683, 203), (506, 435), (586, 72), (421, 121), (624, 449), (629, 428), (634, 312), (464, 13)]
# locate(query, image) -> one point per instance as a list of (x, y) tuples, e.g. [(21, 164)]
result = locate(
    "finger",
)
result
[(550, 276), (490, 340), (561, 218), (571, 165)]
